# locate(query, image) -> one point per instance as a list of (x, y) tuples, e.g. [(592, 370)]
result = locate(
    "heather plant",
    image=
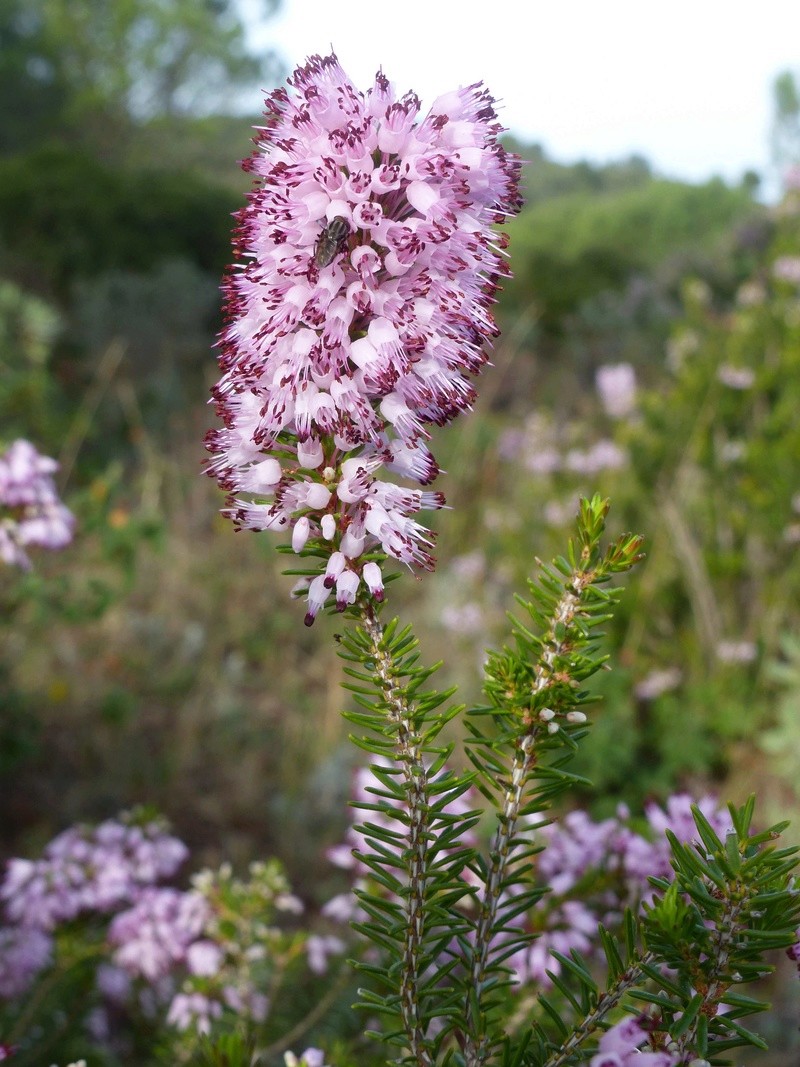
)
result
[(358, 314), (487, 931)]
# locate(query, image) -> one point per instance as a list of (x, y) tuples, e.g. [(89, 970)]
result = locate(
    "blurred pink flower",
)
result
[(603, 455), (736, 377), (319, 948), (358, 312), (156, 933), (616, 386), (193, 1010), (30, 510), (89, 869), (619, 1047), (736, 651), (791, 177), (24, 952), (787, 269), (657, 682)]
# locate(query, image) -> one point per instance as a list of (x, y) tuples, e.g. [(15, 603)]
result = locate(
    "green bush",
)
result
[(65, 217)]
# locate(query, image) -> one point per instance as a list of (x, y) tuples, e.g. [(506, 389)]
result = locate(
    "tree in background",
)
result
[(94, 64)]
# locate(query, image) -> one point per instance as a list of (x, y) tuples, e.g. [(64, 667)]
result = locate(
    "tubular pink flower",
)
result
[(358, 311)]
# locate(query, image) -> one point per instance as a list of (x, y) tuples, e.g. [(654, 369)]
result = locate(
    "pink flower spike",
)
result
[(358, 311), (31, 513)]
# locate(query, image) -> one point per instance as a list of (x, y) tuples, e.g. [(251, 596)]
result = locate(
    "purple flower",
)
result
[(24, 952), (571, 926), (193, 1010), (89, 869), (643, 859), (575, 845), (155, 935), (358, 313), (30, 510), (319, 948), (113, 982), (619, 1047)]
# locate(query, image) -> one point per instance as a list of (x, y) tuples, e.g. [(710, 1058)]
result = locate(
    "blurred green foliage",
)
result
[(67, 217), (571, 247)]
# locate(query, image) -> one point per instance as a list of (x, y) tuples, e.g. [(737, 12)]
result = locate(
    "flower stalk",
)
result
[(400, 718)]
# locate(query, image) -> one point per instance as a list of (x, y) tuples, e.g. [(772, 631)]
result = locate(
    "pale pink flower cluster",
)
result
[(537, 447), (358, 313), (578, 852), (577, 848), (207, 935), (736, 377), (621, 1047), (89, 869), (603, 455), (312, 1057), (643, 858), (616, 387), (575, 845), (159, 932), (84, 870), (213, 940), (736, 651), (787, 269), (31, 513), (658, 682), (571, 926), (193, 1011)]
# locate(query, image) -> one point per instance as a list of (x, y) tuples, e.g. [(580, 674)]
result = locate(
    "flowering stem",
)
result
[(605, 1003), (723, 939), (477, 1041), (409, 754), (555, 646)]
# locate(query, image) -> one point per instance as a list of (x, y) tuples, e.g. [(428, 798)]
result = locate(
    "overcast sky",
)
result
[(688, 83)]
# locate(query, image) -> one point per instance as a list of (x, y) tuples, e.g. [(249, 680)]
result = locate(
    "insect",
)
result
[(330, 241)]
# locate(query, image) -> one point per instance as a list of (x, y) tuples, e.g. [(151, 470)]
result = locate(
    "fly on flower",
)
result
[(331, 241)]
